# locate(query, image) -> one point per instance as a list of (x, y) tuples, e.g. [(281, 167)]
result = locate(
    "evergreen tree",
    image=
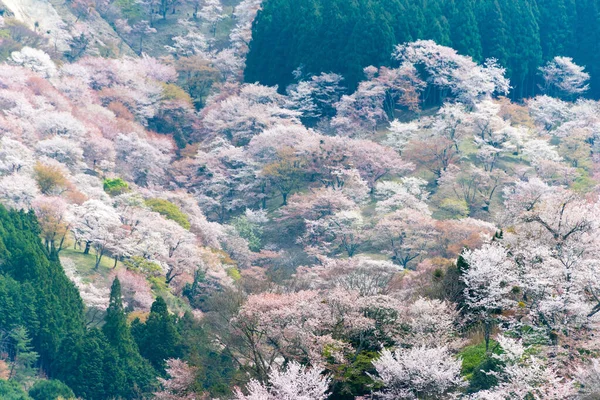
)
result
[(139, 373), (158, 339), (465, 35), (22, 356)]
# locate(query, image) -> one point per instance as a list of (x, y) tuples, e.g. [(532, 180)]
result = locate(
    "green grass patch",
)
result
[(472, 356), (85, 262)]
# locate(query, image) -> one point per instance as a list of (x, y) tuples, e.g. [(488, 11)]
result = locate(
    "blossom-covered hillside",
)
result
[(420, 237)]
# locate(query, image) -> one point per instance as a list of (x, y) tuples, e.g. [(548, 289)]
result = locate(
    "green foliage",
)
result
[(454, 208), (584, 183), (481, 379), (37, 299), (234, 273), (472, 356), (23, 357), (131, 9), (115, 186), (195, 292), (143, 266), (10, 390), (158, 338), (169, 210), (50, 390), (216, 369), (250, 231), (352, 379), (34, 291), (118, 334)]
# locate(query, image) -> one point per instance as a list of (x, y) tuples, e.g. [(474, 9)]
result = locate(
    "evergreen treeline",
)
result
[(42, 326), (37, 298), (345, 36)]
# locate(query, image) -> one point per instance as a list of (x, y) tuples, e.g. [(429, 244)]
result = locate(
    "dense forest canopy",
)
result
[(314, 36)]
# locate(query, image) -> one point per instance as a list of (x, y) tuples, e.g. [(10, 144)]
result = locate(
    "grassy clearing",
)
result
[(101, 277)]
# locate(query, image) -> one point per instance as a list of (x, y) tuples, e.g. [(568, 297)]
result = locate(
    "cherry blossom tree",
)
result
[(18, 191), (62, 150), (141, 160), (315, 98), (14, 156), (166, 242), (588, 376), (193, 43), (555, 247), (136, 292), (227, 181), (359, 274), (549, 112), (212, 12), (51, 213), (473, 185), (525, 377), (294, 382), (405, 235), (96, 224), (343, 231), (562, 76), (35, 60), (447, 70), (179, 385), (408, 193), (418, 372), (400, 134), (375, 99), (240, 117), (429, 323), (488, 283), (241, 35), (374, 161), (142, 29)]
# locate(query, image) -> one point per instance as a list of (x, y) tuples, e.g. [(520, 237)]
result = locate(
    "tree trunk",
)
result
[(487, 330), (98, 258)]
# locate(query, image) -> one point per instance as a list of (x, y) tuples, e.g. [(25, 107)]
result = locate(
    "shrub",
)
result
[(170, 211), (51, 390), (10, 390), (115, 186), (50, 179)]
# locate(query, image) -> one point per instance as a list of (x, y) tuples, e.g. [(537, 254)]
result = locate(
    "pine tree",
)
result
[(115, 323), (23, 357), (118, 334)]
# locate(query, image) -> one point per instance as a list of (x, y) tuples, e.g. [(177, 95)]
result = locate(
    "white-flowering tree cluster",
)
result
[(418, 372), (294, 382)]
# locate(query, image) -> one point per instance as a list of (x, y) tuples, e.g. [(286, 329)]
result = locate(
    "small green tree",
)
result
[(115, 186), (23, 358), (50, 390), (10, 390), (250, 231), (158, 339)]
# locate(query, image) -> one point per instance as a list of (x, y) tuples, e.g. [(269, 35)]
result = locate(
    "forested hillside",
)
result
[(401, 218), (341, 36)]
